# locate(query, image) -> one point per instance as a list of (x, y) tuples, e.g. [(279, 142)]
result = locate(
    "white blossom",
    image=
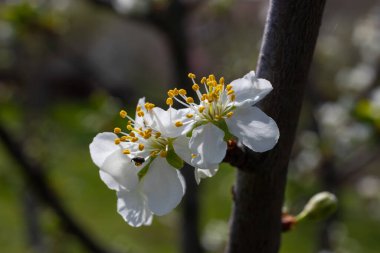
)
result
[(224, 111), (142, 165)]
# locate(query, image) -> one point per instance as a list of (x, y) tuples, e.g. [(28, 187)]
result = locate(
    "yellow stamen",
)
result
[(126, 151), (203, 81), (153, 153), (124, 138), (221, 80), (149, 106), (191, 75), (123, 114), (230, 92), (229, 87), (195, 87), (229, 115), (211, 77), (190, 100), (129, 127), (175, 91), (163, 153), (204, 96), (193, 155), (169, 101), (140, 113), (217, 117), (189, 115), (138, 108), (132, 134), (134, 139), (158, 135), (171, 94), (201, 109), (117, 141), (182, 92), (232, 97), (141, 147), (178, 124), (116, 130)]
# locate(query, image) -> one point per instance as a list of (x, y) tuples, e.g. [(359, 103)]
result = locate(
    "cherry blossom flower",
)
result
[(221, 113), (142, 165)]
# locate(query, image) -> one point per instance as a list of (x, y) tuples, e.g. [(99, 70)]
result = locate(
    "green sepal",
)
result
[(221, 124), (144, 170), (173, 159)]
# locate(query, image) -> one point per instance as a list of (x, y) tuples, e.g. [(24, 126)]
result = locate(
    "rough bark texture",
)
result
[(289, 40)]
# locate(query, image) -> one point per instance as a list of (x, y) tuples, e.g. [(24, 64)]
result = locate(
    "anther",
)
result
[(230, 92), (126, 151), (229, 115), (134, 139), (178, 123), (203, 80), (175, 91), (124, 138), (129, 127), (158, 135), (163, 153), (141, 147), (189, 115), (201, 109), (171, 94), (221, 80), (229, 87), (193, 155), (140, 113), (169, 101), (138, 108), (123, 114), (116, 130), (191, 75), (182, 92), (117, 141), (195, 87), (232, 97), (132, 134), (190, 100)]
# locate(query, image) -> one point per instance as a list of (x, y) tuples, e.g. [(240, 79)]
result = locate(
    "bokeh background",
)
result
[(68, 66)]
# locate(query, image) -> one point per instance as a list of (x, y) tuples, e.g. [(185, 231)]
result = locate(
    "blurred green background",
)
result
[(67, 67)]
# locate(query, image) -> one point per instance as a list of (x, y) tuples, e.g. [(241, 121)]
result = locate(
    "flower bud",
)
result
[(319, 207)]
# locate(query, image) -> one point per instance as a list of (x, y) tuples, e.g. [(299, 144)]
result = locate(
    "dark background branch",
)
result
[(33, 173)]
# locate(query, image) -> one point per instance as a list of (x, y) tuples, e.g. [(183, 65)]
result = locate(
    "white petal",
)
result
[(208, 145), (254, 128), (203, 173), (181, 148), (250, 89), (121, 169), (102, 146), (132, 206), (163, 186), (164, 121), (109, 181)]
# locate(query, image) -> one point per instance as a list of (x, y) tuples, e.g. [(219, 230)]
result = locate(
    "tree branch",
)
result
[(33, 173), (290, 35)]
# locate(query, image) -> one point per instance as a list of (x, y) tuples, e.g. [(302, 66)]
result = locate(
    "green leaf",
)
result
[(173, 159)]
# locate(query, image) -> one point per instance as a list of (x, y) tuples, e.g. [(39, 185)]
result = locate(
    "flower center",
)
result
[(140, 141), (215, 103)]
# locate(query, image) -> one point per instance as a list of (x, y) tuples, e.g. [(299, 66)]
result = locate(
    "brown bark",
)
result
[(290, 35)]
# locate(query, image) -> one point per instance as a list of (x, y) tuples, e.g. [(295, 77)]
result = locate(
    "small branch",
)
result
[(33, 173)]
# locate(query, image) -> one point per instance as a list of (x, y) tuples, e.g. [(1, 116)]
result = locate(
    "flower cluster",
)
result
[(142, 162)]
